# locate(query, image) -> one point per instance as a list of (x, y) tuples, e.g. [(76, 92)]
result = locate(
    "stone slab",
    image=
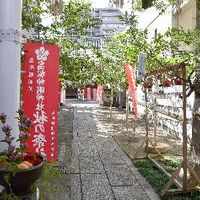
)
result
[(144, 184), (111, 158), (88, 152), (75, 164), (96, 187), (104, 144), (129, 193), (120, 175), (91, 165), (75, 187)]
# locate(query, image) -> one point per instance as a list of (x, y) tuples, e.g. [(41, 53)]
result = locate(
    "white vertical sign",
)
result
[(141, 65)]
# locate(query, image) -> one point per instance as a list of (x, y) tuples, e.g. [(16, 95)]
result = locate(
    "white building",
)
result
[(185, 15), (110, 22), (178, 15), (155, 21)]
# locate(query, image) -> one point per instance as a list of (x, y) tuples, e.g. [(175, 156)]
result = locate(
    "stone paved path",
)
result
[(100, 169)]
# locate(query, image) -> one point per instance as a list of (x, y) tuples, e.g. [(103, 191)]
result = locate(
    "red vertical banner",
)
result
[(40, 88), (99, 92), (92, 93), (85, 93), (130, 73)]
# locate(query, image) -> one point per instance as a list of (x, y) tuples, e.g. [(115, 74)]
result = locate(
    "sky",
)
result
[(100, 3), (95, 4)]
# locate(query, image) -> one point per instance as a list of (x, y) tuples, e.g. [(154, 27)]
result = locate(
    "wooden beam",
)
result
[(167, 69), (157, 151), (171, 180), (138, 149), (172, 115), (184, 127), (177, 183)]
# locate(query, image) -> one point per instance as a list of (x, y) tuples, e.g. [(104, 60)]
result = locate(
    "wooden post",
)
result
[(193, 173), (146, 122), (127, 109), (155, 121), (111, 102), (184, 126), (157, 151)]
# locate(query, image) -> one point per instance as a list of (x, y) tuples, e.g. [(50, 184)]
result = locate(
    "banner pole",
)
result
[(111, 102), (127, 109), (146, 122)]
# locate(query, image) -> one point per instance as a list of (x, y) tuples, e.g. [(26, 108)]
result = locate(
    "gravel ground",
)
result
[(130, 140), (65, 136)]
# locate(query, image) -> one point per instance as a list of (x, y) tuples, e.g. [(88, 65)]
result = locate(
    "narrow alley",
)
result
[(100, 100), (100, 170)]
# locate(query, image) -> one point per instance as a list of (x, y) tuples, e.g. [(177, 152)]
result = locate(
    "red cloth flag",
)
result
[(40, 89), (130, 73), (99, 92)]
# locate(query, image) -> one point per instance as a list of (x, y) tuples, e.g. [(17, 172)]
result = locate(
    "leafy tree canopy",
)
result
[(68, 29)]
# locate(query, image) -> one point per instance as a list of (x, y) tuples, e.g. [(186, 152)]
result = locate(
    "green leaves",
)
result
[(32, 13), (145, 4), (69, 30), (81, 63)]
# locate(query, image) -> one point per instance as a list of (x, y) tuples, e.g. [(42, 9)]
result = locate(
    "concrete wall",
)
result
[(186, 18), (154, 22), (187, 15), (169, 107)]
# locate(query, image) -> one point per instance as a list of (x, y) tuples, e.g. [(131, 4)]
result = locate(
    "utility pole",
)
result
[(10, 65)]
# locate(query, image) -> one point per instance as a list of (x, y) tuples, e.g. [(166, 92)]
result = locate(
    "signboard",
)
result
[(40, 88), (141, 65), (130, 73)]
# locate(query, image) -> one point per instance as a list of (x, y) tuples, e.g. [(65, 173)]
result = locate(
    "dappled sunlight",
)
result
[(131, 139), (81, 104), (80, 111), (104, 136), (65, 109)]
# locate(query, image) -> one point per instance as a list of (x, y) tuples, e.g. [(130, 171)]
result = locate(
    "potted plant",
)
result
[(19, 169)]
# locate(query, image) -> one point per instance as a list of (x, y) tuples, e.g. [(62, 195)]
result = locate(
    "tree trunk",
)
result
[(195, 153)]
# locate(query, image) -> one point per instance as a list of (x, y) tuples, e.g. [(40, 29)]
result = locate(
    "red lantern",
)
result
[(147, 85), (178, 81), (167, 83)]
